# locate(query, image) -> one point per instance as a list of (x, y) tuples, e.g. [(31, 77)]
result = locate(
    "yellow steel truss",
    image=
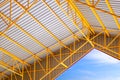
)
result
[(53, 65)]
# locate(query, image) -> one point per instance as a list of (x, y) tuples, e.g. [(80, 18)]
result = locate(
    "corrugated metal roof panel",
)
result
[(6, 44), (24, 40)]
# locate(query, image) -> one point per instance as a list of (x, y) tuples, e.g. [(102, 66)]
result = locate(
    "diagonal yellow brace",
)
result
[(34, 39), (38, 22), (74, 24), (98, 18), (111, 10), (29, 35), (61, 21), (4, 3), (10, 25), (22, 47), (64, 65), (80, 15), (13, 56), (9, 68)]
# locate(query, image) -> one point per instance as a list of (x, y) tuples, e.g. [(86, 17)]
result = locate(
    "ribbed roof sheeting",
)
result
[(55, 25), (41, 12), (116, 6), (58, 11), (34, 29), (107, 19), (88, 14), (3, 24), (14, 49), (24, 40), (5, 58)]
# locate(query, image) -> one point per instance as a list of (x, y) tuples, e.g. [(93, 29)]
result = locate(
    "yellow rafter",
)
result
[(10, 25), (37, 21), (62, 22), (9, 68), (111, 10), (83, 3), (34, 39), (98, 18), (74, 23), (80, 15), (22, 47), (4, 3), (13, 56)]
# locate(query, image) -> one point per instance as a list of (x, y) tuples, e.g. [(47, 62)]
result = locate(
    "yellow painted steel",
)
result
[(113, 40), (62, 61), (10, 25), (74, 24), (62, 22), (3, 3), (99, 9), (80, 15), (96, 3), (22, 47), (41, 25), (111, 10), (34, 39), (59, 60), (98, 18), (13, 56), (64, 65), (9, 68)]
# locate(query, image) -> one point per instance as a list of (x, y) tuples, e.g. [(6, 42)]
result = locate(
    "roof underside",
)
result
[(31, 28)]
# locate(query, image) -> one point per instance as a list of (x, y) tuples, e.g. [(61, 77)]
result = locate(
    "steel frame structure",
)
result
[(54, 63)]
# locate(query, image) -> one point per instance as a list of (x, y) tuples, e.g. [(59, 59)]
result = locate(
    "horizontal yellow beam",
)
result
[(80, 15), (61, 21), (9, 68), (13, 56), (74, 7), (22, 47), (111, 10), (41, 25), (107, 12), (98, 18), (4, 3), (19, 17)]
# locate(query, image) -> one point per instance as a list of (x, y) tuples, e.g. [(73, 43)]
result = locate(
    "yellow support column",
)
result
[(9, 68), (98, 18), (111, 10), (79, 13)]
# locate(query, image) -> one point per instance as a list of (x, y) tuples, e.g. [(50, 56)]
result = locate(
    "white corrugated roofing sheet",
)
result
[(51, 22)]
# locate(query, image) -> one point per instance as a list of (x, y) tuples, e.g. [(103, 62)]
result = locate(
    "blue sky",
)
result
[(94, 66)]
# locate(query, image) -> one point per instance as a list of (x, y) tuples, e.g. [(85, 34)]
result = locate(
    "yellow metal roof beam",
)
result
[(13, 56), (10, 25), (73, 7), (4, 3), (98, 18), (20, 28), (73, 22), (37, 21), (34, 39), (61, 21), (9, 68), (111, 10), (63, 60), (97, 3), (22, 47), (80, 15), (83, 3)]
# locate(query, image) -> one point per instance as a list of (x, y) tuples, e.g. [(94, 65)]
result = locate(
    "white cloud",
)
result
[(101, 57), (87, 72)]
